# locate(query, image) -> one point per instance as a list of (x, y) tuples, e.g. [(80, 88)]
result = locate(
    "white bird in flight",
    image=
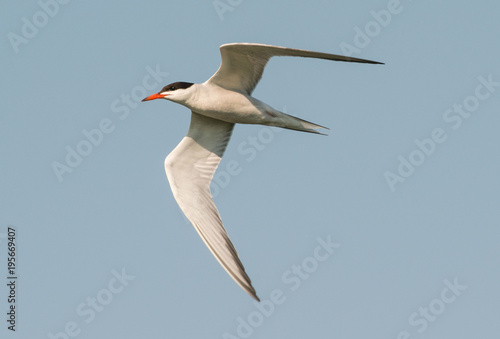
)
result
[(216, 105)]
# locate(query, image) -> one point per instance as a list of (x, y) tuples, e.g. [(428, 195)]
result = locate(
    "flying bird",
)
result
[(216, 105)]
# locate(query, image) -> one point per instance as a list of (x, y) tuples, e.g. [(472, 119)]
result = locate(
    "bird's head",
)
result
[(177, 92)]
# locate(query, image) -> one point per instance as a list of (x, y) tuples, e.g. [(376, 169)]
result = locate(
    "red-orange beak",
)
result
[(154, 96)]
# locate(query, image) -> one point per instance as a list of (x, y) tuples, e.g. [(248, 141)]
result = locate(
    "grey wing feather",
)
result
[(190, 168), (242, 64)]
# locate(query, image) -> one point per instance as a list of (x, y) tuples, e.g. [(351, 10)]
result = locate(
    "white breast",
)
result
[(227, 105)]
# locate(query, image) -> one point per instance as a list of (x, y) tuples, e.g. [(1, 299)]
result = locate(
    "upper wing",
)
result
[(190, 168), (242, 64)]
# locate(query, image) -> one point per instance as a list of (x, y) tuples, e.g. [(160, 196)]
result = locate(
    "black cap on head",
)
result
[(176, 85)]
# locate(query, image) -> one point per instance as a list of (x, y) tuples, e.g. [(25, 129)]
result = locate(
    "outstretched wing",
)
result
[(242, 64), (190, 168)]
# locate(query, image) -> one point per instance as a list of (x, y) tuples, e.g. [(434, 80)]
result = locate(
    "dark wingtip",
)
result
[(375, 62)]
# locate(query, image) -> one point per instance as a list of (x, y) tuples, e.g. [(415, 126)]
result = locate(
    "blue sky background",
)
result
[(399, 249)]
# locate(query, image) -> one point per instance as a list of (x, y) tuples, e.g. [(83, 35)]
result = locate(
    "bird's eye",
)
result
[(172, 88)]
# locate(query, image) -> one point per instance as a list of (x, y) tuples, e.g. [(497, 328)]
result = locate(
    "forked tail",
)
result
[(297, 124)]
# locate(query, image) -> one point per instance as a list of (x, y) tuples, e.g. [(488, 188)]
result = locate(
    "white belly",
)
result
[(219, 103)]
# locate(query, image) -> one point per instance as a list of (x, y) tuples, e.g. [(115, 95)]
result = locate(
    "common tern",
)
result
[(216, 105)]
